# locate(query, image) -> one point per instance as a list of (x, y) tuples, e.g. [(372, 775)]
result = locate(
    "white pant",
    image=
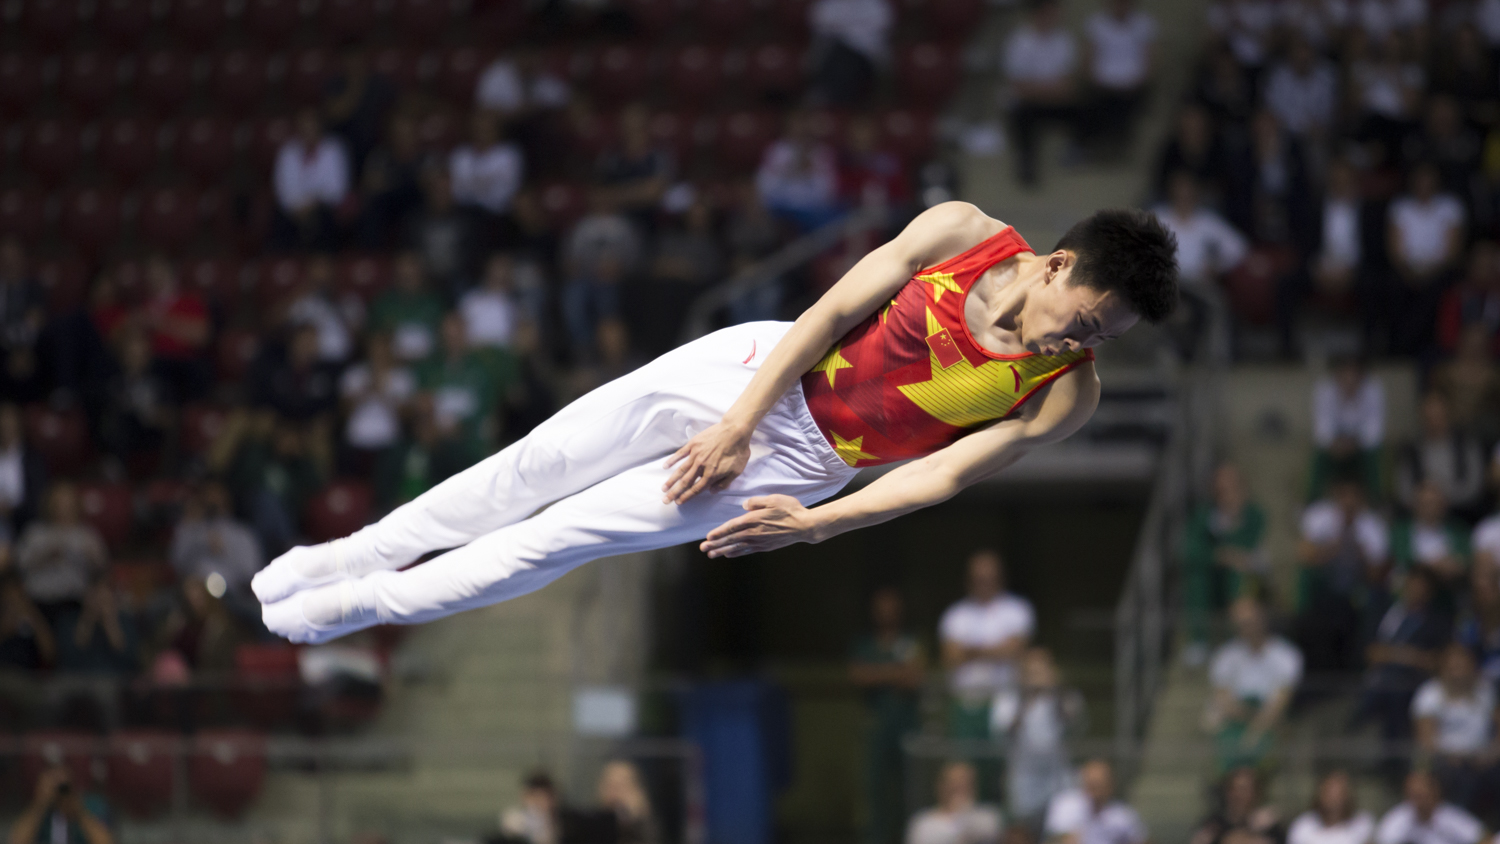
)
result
[(598, 463)]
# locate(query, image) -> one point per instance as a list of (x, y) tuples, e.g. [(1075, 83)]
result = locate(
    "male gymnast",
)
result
[(953, 346)]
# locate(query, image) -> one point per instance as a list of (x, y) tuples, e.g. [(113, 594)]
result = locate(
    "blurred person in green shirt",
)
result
[(465, 388), (409, 312), (889, 665), (1223, 557)]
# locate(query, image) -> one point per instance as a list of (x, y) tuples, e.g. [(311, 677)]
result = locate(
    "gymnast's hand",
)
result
[(774, 521), (709, 461)]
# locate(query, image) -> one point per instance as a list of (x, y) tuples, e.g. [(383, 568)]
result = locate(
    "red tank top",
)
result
[(910, 379)]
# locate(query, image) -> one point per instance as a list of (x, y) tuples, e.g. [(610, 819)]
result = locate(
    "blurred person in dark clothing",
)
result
[(1474, 301), (61, 812), (635, 172), (391, 183), (294, 381), (1224, 88), (1122, 60), (1425, 241), (1041, 64), (1242, 815), (1331, 243), (1195, 148), (202, 630), (22, 315), (446, 238), (96, 638), (1445, 141), (889, 666), (1470, 381), (177, 322), (1443, 455), (1463, 69), (1385, 89), (870, 174), (688, 253), (1270, 189), (139, 411), (601, 253), (1478, 628), (356, 103), (26, 640), (269, 464), (621, 792), (851, 40), (1344, 555), (22, 473)]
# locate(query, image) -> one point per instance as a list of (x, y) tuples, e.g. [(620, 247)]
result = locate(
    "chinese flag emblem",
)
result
[(943, 348)]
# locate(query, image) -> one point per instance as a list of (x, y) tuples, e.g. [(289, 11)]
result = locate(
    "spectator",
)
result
[(1384, 89), (356, 104), (1041, 63), (798, 178), (416, 462), (314, 305), (1348, 416), (983, 637), (1207, 246), (1037, 719), (486, 172), (1474, 302), (1424, 818), (752, 232), (374, 393), (22, 316), (889, 666), (1270, 192), (1303, 93), (1486, 545), (138, 413), (96, 637), (1402, 656), (958, 817), (688, 254), (1242, 816), (1334, 253), (1478, 629), (200, 631), (871, 174), (1464, 70), (1334, 818), (536, 820), (621, 792), (1223, 556), (1470, 383), (1245, 27), (1430, 538), (209, 543), (601, 252), (62, 811), (637, 172), (269, 462), (294, 381), (1225, 90), (22, 475), (1196, 149), (60, 557), (177, 322), (1425, 237), (1443, 456), (1122, 60), (464, 393), (850, 40), (311, 182), (1091, 814), (501, 88), (409, 313), (1448, 144), (1454, 716), (391, 184), (444, 237), (26, 640), (1254, 676), (1344, 553)]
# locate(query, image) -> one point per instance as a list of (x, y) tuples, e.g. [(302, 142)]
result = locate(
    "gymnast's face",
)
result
[(1061, 316)]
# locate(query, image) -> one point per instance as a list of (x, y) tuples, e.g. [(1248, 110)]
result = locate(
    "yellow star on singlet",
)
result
[(850, 451), (832, 363), (940, 282)]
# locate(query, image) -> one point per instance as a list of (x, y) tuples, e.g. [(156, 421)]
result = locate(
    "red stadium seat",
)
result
[(421, 21), (198, 21), (43, 749), (21, 213), (269, 136), (672, 131), (239, 79), (168, 218), (130, 280), (64, 281), (164, 80), (141, 771), (563, 203), (91, 219), (60, 436), (929, 72), (364, 275), (622, 72), (953, 18), (124, 22), (348, 20), (651, 16), (201, 427), (269, 682), (696, 72), (236, 350), (50, 22), (272, 21), (20, 82), (774, 69), (89, 80), (108, 507), (725, 18), (307, 75), (394, 64), (226, 769), (743, 137), (127, 148), (339, 509), (278, 279), (790, 17), (908, 132), (50, 149), (204, 147), (461, 69), (215, 279), (592, 133)]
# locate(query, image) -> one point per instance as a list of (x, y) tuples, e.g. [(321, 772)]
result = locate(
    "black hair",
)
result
[(1130, 252)]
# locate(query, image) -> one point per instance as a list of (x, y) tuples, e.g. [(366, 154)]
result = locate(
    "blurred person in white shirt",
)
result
[(1334, 818), (374, 394), (1455, 725), (1091, 814), (311, 180), (958, 817), (1041, 69), (983, 637), (1037, 717), (486, 172), (1348, 418), (315, 305), (1253, 676), (1207, 245), (1246, 26), (490, 311), (1425, 818), (1303, 92), (798, 178), (1121, 42), (1425, 240), (515, 82), (851, 39)]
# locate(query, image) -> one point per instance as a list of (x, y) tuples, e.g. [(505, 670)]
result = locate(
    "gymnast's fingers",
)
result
[(677, 455), (738, 523), (730, 551), (680, 478), (697, 487)]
